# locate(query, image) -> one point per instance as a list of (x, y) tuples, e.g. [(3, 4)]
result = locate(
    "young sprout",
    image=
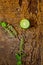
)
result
[(8, 28), (19, 55), (19, 63)]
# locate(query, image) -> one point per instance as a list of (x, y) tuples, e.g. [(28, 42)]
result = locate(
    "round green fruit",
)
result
[(24, 23)]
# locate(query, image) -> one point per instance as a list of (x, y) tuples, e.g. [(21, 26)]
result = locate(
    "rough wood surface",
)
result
[(12, 11)]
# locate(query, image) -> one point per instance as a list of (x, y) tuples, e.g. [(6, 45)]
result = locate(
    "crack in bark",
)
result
[(20, 3)]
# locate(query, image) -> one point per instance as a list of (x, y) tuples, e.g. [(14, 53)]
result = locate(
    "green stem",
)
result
[(12, 29), (21, 45), (19, 55), (9, 32)]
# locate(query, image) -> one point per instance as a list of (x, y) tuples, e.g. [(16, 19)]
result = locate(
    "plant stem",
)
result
[(21, 45), (10, 27), (9, 32)]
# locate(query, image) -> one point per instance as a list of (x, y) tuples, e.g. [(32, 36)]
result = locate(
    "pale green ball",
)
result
[(24, 23)]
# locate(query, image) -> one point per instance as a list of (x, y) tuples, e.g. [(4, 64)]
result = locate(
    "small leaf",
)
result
[(18, 57), (3, 24), (19, 63)]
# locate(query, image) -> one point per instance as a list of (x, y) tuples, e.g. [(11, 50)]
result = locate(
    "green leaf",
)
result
[(19, 63), (18, 57), (4, 24)]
